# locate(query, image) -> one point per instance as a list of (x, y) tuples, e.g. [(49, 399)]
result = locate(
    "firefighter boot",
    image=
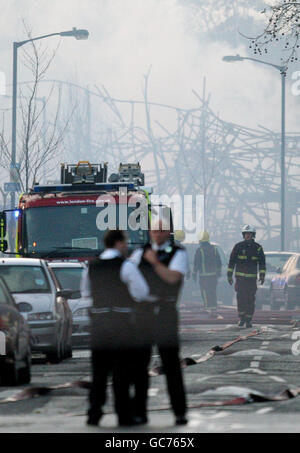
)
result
[(241, 323)]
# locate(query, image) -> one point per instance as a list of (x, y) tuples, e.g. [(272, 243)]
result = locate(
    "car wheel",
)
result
[(68, 349), (273, 302), (25, 373), (55, 356), (10, 375), (288, 304)]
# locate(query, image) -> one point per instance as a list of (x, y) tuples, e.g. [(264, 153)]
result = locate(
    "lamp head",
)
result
[(78, 34), (231, 58)]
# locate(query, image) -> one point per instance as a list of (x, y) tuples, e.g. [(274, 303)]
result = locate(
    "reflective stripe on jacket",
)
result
[(247, 258)]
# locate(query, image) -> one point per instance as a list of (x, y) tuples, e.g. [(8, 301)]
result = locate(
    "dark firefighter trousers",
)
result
[(246, 288), (208, 288), (162, 330)]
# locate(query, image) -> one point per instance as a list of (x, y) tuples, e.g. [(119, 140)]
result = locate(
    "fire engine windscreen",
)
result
[(77, 227)]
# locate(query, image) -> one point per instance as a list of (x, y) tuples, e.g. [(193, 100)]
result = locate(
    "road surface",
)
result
[(265, 364)]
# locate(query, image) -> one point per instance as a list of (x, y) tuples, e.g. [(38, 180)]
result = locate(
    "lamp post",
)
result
[(78, 34), (282, 70)]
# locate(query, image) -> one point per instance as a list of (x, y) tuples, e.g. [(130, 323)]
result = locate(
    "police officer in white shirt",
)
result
[(115, 285), (164, 265)]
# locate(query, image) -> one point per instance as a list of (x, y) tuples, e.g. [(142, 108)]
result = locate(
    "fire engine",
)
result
[(68, 220)]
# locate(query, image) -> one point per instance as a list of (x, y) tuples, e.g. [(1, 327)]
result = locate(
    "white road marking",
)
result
[(248, 370), (8, 394), (265, 410), (254, 364), (277, 379), (85, 354)]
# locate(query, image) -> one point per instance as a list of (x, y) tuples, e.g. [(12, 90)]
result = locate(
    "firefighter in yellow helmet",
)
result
[(179, 236), (207, 263)]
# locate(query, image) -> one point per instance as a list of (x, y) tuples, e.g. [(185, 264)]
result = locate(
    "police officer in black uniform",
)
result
[(163, 266), (247, 258), (115, 285)]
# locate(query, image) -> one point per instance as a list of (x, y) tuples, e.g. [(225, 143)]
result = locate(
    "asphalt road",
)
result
[(264, 364)]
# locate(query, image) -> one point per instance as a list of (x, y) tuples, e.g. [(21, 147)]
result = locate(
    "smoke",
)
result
[(127, 37)]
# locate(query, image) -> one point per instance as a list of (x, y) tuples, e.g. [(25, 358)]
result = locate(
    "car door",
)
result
[(14, 324), (62, 307)]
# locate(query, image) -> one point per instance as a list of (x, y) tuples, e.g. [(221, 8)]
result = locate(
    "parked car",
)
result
[(274, 261), (69, 276), (50, 318), (191, 289), (285, 287), (15, 364)]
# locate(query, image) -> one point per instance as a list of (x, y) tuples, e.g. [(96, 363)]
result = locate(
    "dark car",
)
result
[(285, 287), (15, 358)]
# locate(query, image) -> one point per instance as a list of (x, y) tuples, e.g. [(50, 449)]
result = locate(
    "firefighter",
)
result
[(207, 263), (247, 258), (115, 285), (164, 266), (179, 237)]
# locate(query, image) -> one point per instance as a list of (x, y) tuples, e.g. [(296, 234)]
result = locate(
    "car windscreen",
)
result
[(273, 262), (25, 279), (73, 227), (68, 277)]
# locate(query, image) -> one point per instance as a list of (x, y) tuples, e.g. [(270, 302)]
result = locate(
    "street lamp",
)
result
[(78, 34), (282, 70)]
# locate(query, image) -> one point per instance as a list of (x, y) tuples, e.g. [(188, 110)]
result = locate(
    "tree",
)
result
[(39, 141), (283, 26)]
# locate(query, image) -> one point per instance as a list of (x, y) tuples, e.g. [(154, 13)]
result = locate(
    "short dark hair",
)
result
[(113, 236)]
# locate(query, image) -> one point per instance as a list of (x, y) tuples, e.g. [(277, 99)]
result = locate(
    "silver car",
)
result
[(69, 276), (274, 262), (49, 317)]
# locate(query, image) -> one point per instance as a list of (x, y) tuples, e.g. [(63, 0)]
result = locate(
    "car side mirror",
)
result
[(76, 295), (65, 293), (68, 294)]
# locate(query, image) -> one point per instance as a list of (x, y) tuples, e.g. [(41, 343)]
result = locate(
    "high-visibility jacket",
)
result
[(247, 259), (207, 260)]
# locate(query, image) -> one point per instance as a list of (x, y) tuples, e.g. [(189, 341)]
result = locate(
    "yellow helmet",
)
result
[(204, 236), (179, 235)]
